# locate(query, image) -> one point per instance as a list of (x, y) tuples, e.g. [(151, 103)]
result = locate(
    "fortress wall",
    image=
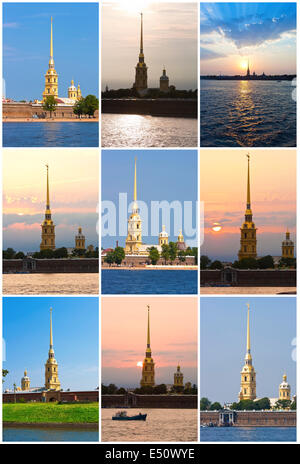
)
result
[(150, 401), (36, 266), (27, 110), (258, 278), (27, 397), (254, 418), (155, 107), (141, 261)]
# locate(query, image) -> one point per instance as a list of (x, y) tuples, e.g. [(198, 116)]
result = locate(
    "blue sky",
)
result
[(223, 344), (75, 338), (169, 175), (263, 32), (26, 45)]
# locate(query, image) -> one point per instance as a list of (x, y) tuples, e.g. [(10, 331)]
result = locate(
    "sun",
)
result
[(140, 364), (134, 6), (244, 64), (216, 227)]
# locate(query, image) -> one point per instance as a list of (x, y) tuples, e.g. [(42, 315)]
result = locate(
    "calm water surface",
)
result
[(243, 113), (247, 290), (34, 434), (52, 134), (129, 130), (161, 425), (148, 282), (248, 434), (40, 284)]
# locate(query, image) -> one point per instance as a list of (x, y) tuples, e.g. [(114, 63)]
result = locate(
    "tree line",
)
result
[(161, 389), (85, 106), (248, 405), (265, 262), (169, 253), (62, 252)]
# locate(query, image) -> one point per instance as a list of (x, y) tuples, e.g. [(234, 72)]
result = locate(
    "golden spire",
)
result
[(51, 42), (248, 183), (48, 196), (135, 189), (141, 44), (51, 336), (148, 331), (248, 329)]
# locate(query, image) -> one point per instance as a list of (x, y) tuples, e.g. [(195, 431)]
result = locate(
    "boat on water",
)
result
[(122, 415)]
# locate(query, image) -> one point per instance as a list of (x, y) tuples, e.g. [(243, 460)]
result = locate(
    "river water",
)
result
[(265, 434), (247, 113), (21, 434), (41, 284), (50, 134), (145, 282), (161, 425), (129, 130)]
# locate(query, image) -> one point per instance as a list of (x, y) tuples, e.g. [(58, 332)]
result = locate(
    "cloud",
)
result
[(207, 54)]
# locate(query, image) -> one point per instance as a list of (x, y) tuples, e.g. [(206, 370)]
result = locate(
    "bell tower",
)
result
[(25, 382), (178, 378), (141, 77), (51, 368), (284, 389), (248, 229), (148, 374), (51, 76), (287, 246), (48, 228), (134, 236), (248, 375)]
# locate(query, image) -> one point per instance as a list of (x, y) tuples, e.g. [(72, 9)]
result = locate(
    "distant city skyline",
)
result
[(173, 338), (170, 40), (273, 199), (223, 328), (26, 334), (233, 33), (26, 47), (74, 184), (158, 179)]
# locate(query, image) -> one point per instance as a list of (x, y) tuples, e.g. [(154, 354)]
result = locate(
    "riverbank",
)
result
[(53, 414), (152, 268), (53, 425), (51, 120)]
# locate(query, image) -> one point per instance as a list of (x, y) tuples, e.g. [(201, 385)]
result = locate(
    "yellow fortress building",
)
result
[(48, 227), (287, 246)]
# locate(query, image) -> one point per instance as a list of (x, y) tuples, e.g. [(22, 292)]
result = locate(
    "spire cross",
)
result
[(135, 188), (248, 182), (141, 44), (48, 197), (51, 336), (248, 329), (51, 42), (148, 329)]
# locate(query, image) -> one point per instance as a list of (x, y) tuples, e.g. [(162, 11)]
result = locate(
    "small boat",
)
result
[(122, 415)]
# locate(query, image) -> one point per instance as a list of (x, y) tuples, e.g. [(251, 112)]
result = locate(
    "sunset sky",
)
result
[(170, 39), (223, 182), (173, 322), (223, 345), (73, 178), (232, 33)]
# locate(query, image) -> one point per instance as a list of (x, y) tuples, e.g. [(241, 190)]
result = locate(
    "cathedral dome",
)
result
[(72, 86), (163, 233), (164, 77), (284, 384)]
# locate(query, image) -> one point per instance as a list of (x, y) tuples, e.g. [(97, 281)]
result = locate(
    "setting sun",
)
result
[(216, 227), (140, 364), (244, 64)]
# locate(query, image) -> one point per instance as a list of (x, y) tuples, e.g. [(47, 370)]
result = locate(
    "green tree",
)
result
[(173, 251), (110, 257), (5, 372), (79, 107), (294, 405), (160, 389), (119, 255), (263, 403), (78, 252), (20, 255), (204, 404), (266, 262), (112, 389), (182, 256), (9, 253), (246, 263), (91, 104), (121, 391), (288, 262), (50, 104), (165, 253), (44, 254), (205, 262), (60, 253), (216, 265), (216, 406), (153, 255), (283, 404)]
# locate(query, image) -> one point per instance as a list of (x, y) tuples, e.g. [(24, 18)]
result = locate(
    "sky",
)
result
[(26, 47), (159, 178), (233, 33), (223, 184), (26, 332), (73, 178), (173, 333), (223, 345), (170, 39)]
